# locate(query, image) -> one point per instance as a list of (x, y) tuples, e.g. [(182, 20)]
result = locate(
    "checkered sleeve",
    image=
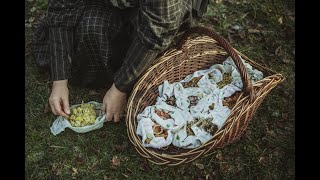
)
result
[(156, 25), (137, 60), (62, 16)]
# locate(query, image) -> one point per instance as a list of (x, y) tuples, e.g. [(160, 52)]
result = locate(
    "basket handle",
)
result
[(247, 85)]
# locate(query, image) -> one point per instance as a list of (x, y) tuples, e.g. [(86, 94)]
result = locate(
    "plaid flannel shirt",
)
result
[(155, 25)]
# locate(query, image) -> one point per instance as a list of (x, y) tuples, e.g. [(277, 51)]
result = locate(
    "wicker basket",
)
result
[(194, 54)]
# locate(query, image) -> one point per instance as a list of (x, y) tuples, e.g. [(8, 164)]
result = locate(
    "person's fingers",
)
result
[(51, 103), (66, 106), (53, 110), (103, 109), (58, 109), (116, 117), (109, 115)]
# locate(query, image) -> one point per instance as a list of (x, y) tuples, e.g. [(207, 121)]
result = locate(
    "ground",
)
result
[(262, 30)]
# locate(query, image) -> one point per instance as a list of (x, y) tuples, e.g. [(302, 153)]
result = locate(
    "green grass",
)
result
[(265, 151)]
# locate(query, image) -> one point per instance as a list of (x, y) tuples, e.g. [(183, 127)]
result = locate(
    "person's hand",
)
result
[(114, 103), (59, 98)]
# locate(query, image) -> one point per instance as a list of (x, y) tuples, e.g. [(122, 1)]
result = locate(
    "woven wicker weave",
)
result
[(194, 54)]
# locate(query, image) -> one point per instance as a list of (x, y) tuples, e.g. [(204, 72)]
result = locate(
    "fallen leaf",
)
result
[(280, 20), (253, 31), (93, 166), (115, 162), (93, 93), (208, 177), (292, 18), (31, 19), (74, 171), (278, 51), (33, 9), (56, 169), (263, 160), (219, 156), (200, 166)]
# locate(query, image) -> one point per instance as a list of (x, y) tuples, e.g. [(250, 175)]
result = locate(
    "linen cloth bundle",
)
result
[(159, 131)]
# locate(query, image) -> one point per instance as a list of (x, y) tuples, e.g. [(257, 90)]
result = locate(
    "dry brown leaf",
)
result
[(33, 9), (56, 169), (31, 19), (263, 160), (219, 156), (115, 162), (200, 166), (280, 20), (278, 51), (208, 177), (292, 18), (74, 171)]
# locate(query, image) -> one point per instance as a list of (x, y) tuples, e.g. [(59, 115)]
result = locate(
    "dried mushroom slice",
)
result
[(158, 131), (192, 83), (171, 101), (164, 115), (227, 79), (193, 100), (211, 107)]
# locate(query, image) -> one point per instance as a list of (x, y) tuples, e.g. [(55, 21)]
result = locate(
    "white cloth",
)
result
[(208, 94), (61, 123)]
